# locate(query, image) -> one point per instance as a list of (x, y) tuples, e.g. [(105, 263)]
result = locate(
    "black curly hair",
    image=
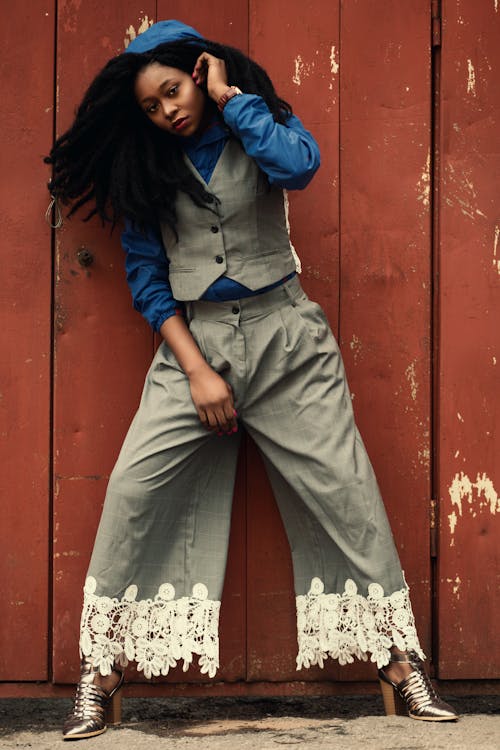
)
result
[(116, 162)]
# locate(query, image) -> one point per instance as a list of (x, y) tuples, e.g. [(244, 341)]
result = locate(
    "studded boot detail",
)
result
[(414, 696), (94, 708)]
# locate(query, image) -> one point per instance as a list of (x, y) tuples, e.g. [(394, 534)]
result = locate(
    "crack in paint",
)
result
[(465, 193)]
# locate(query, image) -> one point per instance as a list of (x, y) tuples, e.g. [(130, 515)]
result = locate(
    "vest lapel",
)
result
[(218, 166)]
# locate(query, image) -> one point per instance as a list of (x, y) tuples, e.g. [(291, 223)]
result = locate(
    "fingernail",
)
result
[(235, 413), (235, 429), (219, 434)]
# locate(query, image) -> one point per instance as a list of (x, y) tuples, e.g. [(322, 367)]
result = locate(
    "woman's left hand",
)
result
[(213, 71)]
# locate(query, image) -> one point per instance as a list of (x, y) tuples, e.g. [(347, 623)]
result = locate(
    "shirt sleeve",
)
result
[(146, 266), (287, 153)]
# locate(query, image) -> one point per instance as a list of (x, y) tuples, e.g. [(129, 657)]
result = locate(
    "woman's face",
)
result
[(170, 98)]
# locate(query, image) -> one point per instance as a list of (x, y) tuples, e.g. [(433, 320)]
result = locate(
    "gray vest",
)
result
[(245, 237)]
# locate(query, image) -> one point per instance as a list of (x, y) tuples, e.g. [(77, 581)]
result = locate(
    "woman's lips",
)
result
[(181, 123)]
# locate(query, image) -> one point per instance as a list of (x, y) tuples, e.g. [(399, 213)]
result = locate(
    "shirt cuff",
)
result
[(162, 318)]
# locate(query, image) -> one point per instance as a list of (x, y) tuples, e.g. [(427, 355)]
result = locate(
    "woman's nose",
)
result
[(169, 109)]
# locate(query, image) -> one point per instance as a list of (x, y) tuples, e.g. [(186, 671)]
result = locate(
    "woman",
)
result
[(188, 143)]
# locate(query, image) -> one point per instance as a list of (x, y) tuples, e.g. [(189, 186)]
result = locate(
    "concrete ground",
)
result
[(255, 724)]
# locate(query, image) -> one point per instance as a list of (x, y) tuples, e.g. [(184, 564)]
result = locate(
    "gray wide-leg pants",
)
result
[(155, 580)]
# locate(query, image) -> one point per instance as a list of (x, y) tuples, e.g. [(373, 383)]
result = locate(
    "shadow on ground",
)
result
[(203, 717)]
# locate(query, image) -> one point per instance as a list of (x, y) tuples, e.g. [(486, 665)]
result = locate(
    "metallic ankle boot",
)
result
[(94, 707), (414, 696)]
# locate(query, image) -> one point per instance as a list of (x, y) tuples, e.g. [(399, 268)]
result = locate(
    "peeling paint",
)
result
[(131, 33), (302, 70), (424, 183), (495, 3), (496, 260), (456, 585), (494, 360), (334, 66), (463, 193), (412, 379), (356, 347), (471, 78), (457, 453), (475, 497), (424, 457), (459, 417)]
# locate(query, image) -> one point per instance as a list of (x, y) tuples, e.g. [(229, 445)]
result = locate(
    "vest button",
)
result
[(219, 259), (214, 229), (235, 310)]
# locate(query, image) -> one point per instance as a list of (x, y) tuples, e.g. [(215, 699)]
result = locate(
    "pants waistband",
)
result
[(232, 311)]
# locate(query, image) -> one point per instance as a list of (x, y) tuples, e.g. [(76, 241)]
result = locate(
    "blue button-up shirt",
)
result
[(289, 156)]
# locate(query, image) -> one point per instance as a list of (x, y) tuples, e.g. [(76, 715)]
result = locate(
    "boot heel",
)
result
[(393, 704), (114, 709)]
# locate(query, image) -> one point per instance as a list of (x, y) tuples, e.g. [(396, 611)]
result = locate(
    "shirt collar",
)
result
[(215, 131)]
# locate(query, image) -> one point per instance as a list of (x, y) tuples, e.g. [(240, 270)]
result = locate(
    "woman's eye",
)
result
[(173, 90), (151, 109)]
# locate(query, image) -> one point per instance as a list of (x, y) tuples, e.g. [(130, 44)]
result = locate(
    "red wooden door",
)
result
[(373, 284), (25, 368), (469, 273), (358, 72), (103, 349)]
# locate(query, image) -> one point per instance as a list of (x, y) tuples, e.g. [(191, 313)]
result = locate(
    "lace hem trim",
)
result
[(155, 633), (348, 625)]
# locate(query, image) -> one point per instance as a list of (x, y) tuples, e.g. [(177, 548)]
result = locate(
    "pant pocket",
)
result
[(313, 319)]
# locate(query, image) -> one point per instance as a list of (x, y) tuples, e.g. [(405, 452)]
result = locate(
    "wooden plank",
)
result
[(26, 135), (469, 472), (102, 347), (385, 287), (241, 688), (298, 44), (227, 22)]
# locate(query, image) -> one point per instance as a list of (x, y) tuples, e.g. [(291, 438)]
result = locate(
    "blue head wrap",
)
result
[(161, 32)]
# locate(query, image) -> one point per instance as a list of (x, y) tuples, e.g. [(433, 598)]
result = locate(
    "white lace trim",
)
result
[(154, 633), (347, 625)]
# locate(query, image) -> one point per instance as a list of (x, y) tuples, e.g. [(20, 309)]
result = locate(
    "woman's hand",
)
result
[(213, 399), (211, 395), (213, 71)]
